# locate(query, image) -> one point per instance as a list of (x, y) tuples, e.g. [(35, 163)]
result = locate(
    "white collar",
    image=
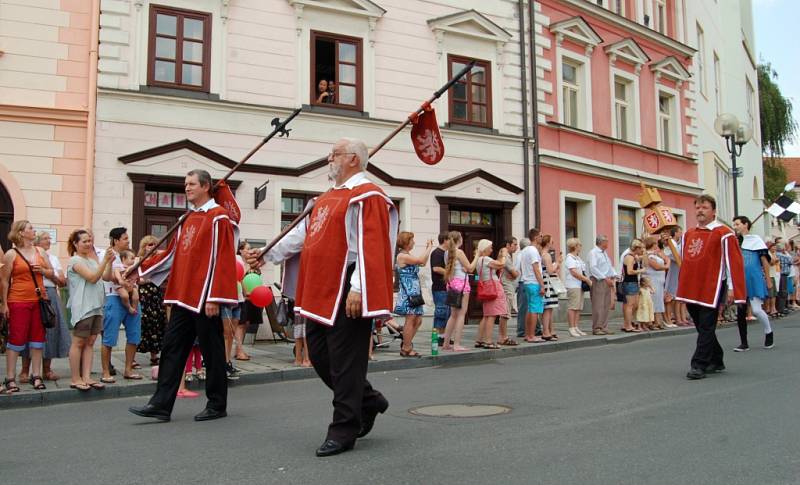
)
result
[(753, 242), (353, 181), (206, 207), (711, 225)]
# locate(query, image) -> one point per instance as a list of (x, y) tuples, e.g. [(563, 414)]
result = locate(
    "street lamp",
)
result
[(736, 135)]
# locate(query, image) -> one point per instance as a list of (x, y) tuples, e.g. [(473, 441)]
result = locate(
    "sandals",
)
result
[(133, 377), (509, 342), (243, 357), (80, 387), (108, 380), (10, 386), (38, 383), (490, 346), (96, 385), (135, 365), (409, 353), (51, 376)]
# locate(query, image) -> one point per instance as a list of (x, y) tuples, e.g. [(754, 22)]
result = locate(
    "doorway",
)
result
[(6, 217), (476, 220)]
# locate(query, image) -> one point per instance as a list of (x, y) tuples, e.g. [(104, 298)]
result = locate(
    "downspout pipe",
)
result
[(91, 122), (526, 140), (537, 206)]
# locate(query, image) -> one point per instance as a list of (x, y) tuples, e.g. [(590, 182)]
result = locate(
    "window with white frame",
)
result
[(666, 120), (723, 192), (751, 103), (717, 84), (701, 59), (660, 16), (623, 109), (570, 93)]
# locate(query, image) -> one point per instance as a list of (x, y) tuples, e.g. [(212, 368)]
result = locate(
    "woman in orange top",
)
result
[(20, 304)]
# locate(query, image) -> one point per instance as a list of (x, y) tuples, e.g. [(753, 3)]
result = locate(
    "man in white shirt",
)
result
[(530, 263), (603, 292)]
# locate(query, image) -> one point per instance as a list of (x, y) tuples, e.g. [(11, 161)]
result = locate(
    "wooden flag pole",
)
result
[(280, 130), (436, 95)]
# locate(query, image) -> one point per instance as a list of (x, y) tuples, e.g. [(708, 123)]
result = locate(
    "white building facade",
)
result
[(724, 80), (185, 84)]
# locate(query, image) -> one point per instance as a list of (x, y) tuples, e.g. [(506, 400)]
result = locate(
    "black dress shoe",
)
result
[(150, 411), (333, 447), (368, 419), (695, 374), (208, 414), (714, 368)]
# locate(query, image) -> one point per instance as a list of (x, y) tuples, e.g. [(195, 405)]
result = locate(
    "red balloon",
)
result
[(261, 296), (239, 270)]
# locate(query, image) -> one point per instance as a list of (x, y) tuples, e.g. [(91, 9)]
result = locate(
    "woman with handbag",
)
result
[(86, 301), (409, 299), (490, 292), (58, 340), (550, 268), (22, 296), (576, 282), (456, 270)]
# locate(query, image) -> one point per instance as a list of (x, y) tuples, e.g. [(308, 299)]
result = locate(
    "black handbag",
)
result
[(454, 296), (46, 311), (414, 301)]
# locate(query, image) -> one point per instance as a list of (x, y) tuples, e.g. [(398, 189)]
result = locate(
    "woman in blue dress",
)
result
[(756, 268), (409, 299)]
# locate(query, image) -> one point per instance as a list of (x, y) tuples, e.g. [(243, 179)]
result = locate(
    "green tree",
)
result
[(778, 129)]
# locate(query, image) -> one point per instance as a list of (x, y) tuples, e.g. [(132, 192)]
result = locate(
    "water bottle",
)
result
[(434, 342)]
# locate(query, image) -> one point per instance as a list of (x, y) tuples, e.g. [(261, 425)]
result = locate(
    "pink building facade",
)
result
[(47, 92), (615, 110)]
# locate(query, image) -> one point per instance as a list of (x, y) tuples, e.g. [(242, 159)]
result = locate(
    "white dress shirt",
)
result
[(600, 265), (293, 242)]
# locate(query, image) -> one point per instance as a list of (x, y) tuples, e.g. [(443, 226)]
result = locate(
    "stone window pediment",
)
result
[(469, 23), (670, 68), (359, 8), (577, 30), (627, 50)]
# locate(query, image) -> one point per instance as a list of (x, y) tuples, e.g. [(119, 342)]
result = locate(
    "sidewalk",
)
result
[(271, 362)]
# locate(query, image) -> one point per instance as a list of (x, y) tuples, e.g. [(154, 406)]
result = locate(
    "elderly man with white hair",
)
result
[(345, 254)]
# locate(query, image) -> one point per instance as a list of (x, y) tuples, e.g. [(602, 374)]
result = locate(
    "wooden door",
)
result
[(158, 225), (6, 218)]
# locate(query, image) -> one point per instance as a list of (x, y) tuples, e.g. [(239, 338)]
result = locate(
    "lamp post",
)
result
[(736, 135)]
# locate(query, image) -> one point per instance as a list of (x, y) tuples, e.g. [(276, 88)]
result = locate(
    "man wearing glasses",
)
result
[(344, 281)]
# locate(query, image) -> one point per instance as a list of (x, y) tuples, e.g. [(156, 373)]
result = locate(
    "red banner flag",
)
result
[(224, 197), (426, 137)]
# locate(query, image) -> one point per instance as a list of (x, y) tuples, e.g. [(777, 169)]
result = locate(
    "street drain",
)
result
[(460, 410)]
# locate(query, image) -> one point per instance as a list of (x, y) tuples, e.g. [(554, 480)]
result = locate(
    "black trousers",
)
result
[(708, 350), (184, 325), (781, 303), (741, 322), (340, 355)]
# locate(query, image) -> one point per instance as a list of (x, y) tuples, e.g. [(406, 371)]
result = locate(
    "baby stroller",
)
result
[(393, 330)]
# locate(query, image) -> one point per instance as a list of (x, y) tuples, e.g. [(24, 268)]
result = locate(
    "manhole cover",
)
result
[(460, 410)]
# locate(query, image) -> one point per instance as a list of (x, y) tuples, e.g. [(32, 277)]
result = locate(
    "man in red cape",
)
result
[(201, 264), (712, 274), (344, 282)]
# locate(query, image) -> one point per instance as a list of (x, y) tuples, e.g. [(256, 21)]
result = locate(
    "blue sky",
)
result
[(776, 22)]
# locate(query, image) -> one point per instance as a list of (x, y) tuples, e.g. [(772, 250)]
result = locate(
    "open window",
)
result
[(336, 71)]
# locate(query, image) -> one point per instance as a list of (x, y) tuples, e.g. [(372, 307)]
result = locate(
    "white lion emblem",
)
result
[(695, 247), (188, 237), (319, 220)]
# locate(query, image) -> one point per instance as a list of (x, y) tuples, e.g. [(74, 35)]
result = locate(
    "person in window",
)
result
[(325, 92)]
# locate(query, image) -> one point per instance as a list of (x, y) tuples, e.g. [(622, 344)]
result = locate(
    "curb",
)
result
[(64, 396)]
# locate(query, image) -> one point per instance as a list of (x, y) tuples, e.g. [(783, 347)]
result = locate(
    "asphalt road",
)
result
[(615, 414)]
